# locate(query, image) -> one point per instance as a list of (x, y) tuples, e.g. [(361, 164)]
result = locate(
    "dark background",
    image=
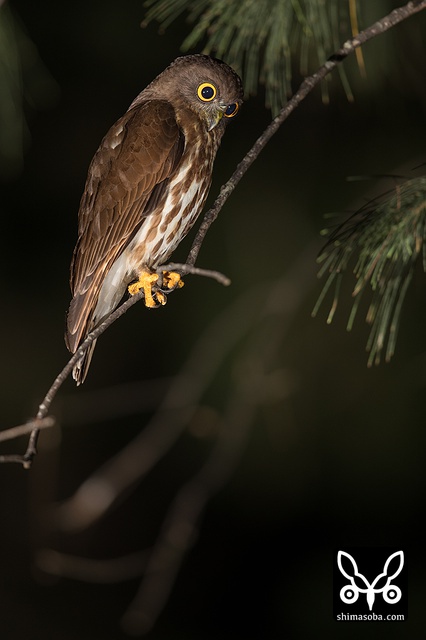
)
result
[(336, 457)]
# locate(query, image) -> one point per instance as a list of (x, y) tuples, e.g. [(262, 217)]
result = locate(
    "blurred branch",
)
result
[(353, 13), (251, 389), (179, 531), (24, 82), (118, 400), (24, 429), (101, 490), (379, 27), (109, 571)]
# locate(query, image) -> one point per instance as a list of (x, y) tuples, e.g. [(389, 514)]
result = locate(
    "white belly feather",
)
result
[(157, 238)]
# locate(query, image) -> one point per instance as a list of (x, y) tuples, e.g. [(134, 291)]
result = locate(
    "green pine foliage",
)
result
[(25, 84), (260, 37), (384, 239)]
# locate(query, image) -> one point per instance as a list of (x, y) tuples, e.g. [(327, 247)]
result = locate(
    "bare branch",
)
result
[(187, 268), (32, 427), (25, 429)]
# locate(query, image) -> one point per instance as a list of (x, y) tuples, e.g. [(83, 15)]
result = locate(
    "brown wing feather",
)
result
[(126, 179)]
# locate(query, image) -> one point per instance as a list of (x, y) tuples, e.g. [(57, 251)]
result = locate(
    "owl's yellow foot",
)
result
[(172, 280), (146, 282)]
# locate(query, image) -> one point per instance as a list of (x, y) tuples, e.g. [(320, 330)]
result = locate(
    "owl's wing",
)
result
[(126, 178)]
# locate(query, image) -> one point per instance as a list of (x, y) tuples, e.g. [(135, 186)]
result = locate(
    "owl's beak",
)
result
[(214, 119)]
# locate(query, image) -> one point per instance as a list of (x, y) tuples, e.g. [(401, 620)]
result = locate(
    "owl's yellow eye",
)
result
[(206, 91), (231, 110)]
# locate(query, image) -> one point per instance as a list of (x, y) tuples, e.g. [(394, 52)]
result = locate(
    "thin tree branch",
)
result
[(25, 429), (187, 268), (351, 45), (32, 427)]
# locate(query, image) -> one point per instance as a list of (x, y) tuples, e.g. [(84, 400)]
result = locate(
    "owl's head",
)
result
[(205, 85)]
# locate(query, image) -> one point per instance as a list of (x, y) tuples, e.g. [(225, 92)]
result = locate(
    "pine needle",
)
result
[(260, 38), (386, 238)]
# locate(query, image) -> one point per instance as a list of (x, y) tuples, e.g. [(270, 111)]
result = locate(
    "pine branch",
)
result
[(349, 47), (386, 237), (258, 39)]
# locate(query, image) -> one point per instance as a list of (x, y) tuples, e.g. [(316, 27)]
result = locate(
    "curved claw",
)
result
[(171, 280), (160, 297)]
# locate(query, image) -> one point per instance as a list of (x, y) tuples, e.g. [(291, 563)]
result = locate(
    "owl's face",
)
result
[(206, 86), (212, 91), (212, 100)]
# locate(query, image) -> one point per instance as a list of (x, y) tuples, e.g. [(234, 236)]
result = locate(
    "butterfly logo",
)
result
[(359, 583)]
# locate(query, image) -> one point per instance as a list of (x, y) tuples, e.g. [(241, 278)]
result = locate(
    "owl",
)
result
[(145, 188)]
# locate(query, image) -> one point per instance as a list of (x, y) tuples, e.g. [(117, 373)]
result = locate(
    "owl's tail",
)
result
[(81, 367), (79, 323), (91, 304), (83, 316)]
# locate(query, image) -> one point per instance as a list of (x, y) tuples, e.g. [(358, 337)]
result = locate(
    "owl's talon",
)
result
[(172, 280), (146, 282), (160, 297)]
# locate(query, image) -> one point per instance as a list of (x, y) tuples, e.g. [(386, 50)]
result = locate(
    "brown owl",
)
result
[(146, 186)]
